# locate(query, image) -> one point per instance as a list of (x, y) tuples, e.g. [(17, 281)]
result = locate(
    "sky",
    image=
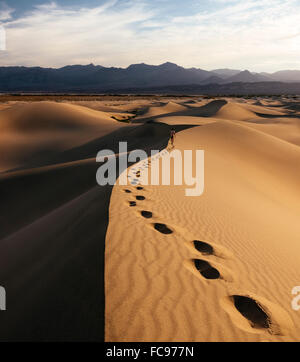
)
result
[(258, 35)]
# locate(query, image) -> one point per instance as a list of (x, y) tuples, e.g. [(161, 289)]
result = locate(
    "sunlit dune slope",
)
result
[(42, 129), (161, 285)]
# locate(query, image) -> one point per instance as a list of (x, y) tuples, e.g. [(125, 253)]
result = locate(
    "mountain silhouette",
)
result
[(96, 78), (248, 77)]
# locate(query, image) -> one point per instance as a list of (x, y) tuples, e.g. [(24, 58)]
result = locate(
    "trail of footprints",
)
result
[(247, 307)]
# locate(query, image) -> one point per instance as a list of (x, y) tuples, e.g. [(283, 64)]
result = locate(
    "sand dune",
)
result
[(209, 268), (199, 109), (262, 110), (54, 219), (170, 107), (46, 128), (236, 112), (166, 267), (283, 128), (271, 103), (50, 115), (192, 120)]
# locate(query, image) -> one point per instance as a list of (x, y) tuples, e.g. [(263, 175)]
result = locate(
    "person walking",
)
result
[(172, 136)]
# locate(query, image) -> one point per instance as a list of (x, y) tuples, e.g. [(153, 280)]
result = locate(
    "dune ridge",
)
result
[(138, 262), (160, 287), (47, 128), (54, 218)]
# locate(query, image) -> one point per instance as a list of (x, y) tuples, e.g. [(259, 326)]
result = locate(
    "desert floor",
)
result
[(81, 262)]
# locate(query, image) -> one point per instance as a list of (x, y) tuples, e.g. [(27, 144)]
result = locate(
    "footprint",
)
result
[(162, 228), (206, 270), (252, 311), (127, 191), (207, 249), (132, 203), (204, 248), (211, 271), (141, 198), (140, 188), (146, 214), (255, 314)]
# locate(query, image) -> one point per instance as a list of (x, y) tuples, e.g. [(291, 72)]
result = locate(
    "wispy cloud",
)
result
[(5, 11), (254, 34)]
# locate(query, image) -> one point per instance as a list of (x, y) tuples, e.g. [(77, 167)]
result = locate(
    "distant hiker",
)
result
[(172, 136)]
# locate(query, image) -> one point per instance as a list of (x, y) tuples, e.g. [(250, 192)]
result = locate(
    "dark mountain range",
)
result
[(91, 78), (233, 75), (287, 76), (97, 78), (247, 77), (214, 79), (226, 73)]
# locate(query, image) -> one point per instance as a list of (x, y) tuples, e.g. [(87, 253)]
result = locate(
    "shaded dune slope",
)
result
[(186, 251), (40, 130), (52, 242)]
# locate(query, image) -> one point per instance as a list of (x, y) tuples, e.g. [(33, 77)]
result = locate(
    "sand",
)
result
[(247, 218), (80, 264), (153, 111), (54, 218), (40, 130)]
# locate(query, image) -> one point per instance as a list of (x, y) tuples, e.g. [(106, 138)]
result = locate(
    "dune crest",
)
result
[(232, 111), (185, 279), (166, 267), (170, 107), (46, 128)]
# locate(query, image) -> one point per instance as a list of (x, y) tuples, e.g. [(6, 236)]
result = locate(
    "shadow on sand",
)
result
[(54, 219)]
